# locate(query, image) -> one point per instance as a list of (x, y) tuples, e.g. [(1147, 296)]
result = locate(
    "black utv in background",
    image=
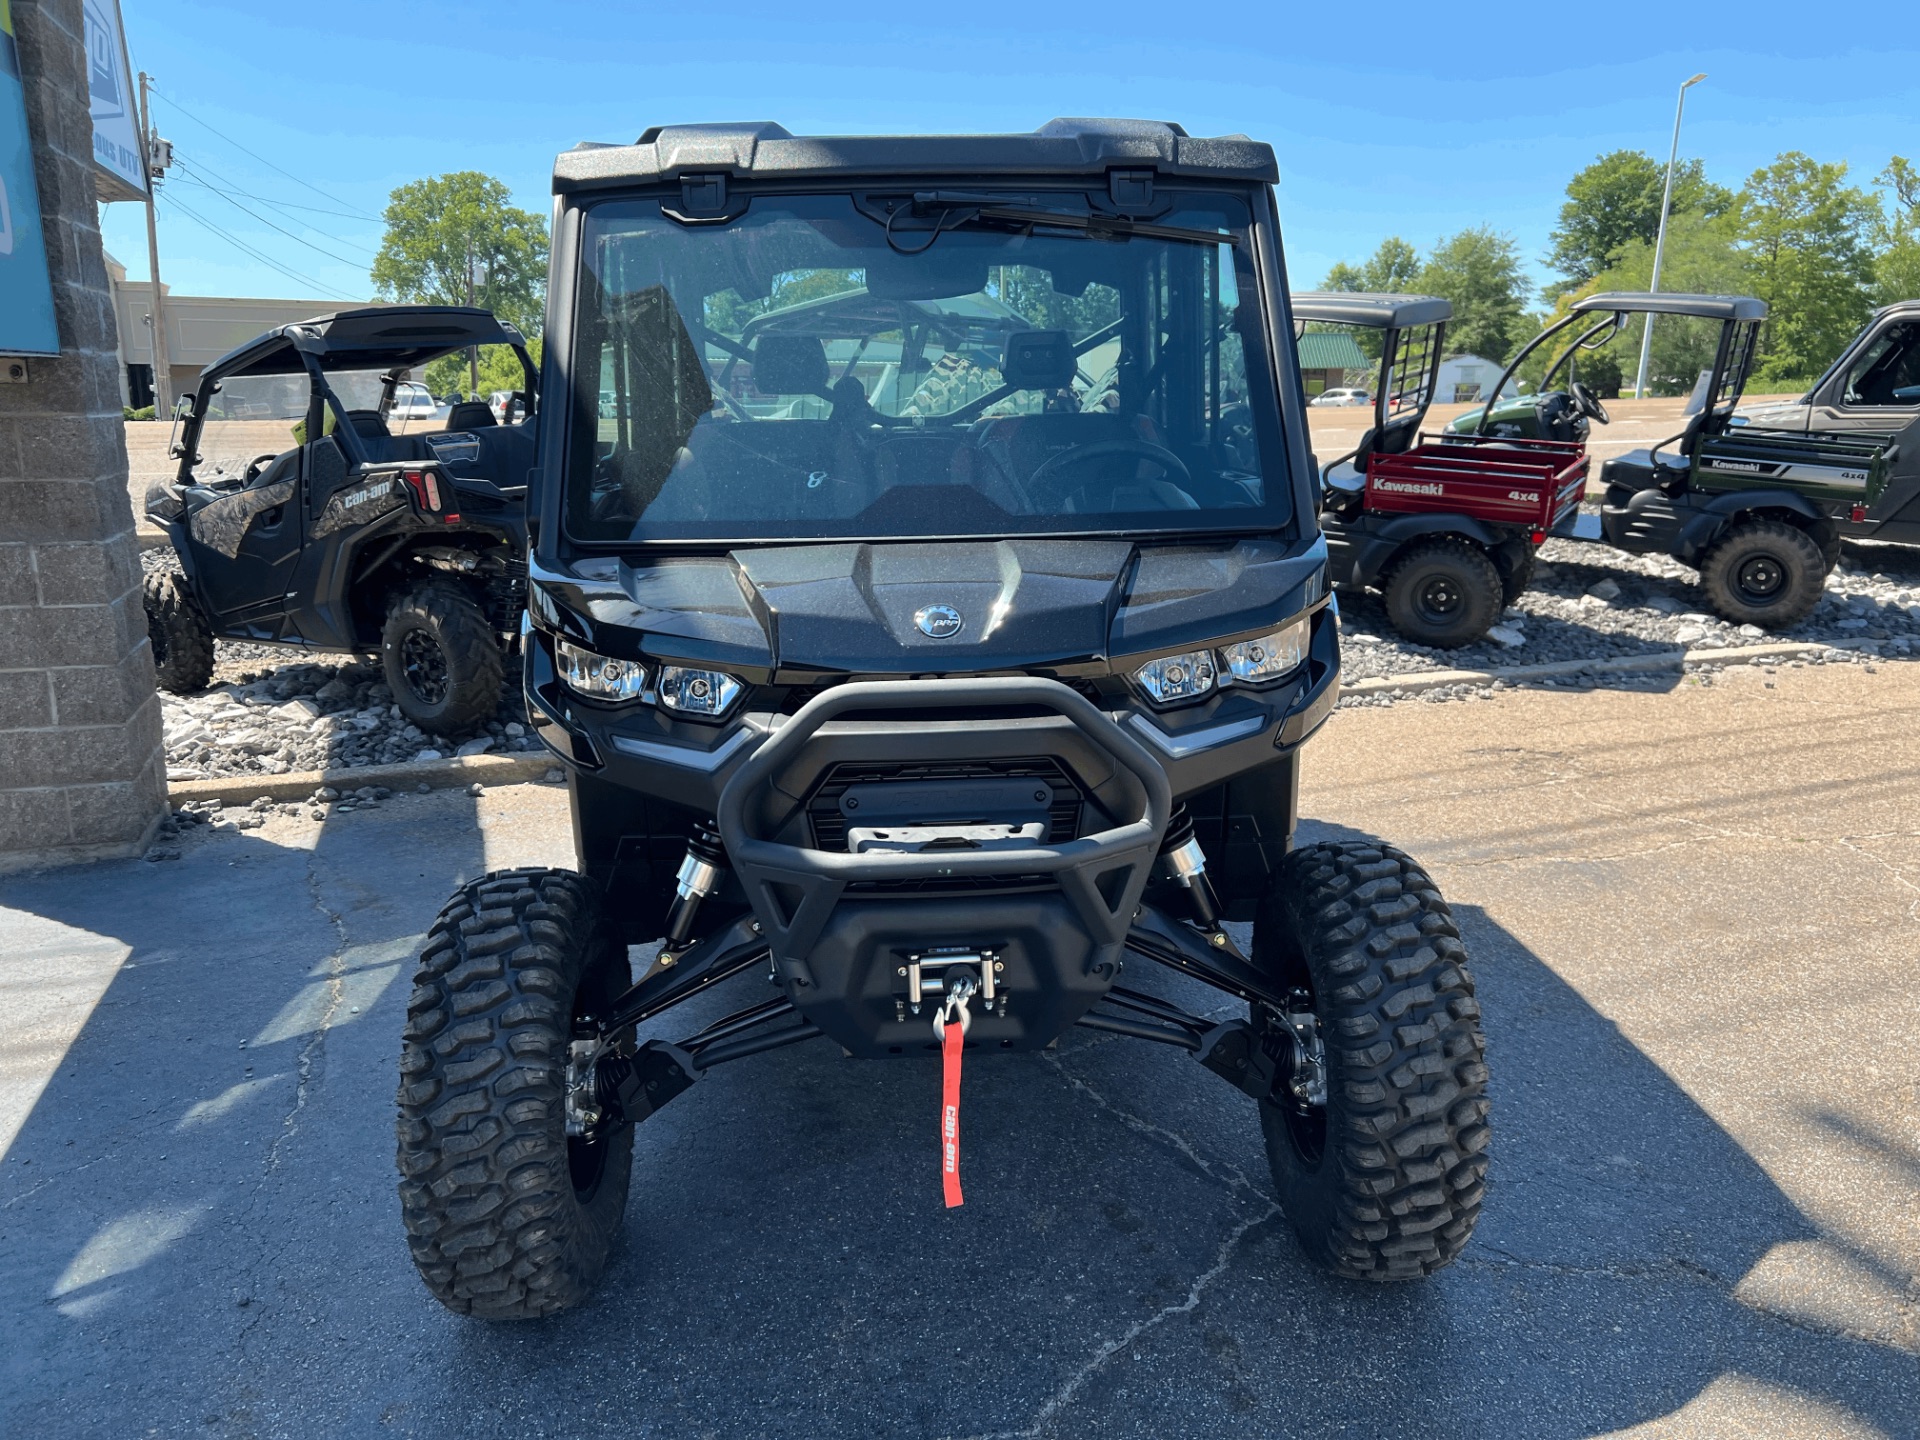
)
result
[(307, 512), (928, 606)]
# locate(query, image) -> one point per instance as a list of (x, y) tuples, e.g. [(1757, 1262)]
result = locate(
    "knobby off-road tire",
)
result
[(1384, 1182), (1764, 572), (442, 658), (507, 1218), (182, 639), (1443, 592)]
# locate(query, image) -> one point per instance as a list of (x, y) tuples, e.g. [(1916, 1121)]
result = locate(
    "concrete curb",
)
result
[(1657, 662), (454, 771)]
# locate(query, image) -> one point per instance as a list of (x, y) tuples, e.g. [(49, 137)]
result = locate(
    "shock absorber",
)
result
[(699, 877), (1186, 862)]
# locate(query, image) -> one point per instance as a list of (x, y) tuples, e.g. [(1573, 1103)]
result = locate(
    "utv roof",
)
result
[(762, 149), (369, 338), (1375, 311), (1640, 302)]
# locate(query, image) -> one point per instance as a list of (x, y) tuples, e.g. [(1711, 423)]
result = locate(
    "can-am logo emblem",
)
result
[(938, 622)]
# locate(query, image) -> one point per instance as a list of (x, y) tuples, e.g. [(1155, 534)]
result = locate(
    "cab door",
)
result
[(1877, 386), (244, 524)]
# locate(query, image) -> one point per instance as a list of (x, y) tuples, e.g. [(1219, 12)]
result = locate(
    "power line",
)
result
[(258, 156), (282, 205), (329, 291), (344, 260)]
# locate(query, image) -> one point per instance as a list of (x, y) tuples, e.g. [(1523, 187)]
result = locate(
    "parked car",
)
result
[(412, 402), (1342, 397)]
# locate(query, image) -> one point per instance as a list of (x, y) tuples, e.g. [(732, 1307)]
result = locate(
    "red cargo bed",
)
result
[(1530, 483)]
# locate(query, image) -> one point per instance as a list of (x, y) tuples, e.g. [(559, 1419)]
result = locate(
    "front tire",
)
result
[(1764, 572), (181, 638), (442, 658), (507, 1216), (1384, 1178), (1443, 592)]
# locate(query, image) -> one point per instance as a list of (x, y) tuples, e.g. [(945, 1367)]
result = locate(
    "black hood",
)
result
[(1022, 604)]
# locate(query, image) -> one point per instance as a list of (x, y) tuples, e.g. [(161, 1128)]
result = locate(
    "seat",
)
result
[(1638, 470), (470, 415)]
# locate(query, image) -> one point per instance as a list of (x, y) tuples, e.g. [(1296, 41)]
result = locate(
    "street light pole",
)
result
[(1660, 239)]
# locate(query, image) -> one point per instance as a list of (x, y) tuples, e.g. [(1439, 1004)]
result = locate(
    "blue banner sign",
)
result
[(26, 290)]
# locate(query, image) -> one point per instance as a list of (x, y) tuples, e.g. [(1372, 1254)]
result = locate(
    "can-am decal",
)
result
[(364, 494)]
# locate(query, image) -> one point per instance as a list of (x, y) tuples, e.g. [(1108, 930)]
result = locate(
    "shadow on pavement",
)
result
[(196, 1248)]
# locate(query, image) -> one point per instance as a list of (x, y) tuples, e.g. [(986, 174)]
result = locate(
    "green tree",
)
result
[(1703, 256), (1897, 267), (1615, 201), (498, 369), (458, 240), (1392, 268), (1479, 271), (1808, 236)]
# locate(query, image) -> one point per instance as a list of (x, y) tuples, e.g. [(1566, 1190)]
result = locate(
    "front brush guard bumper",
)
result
[(795, 891)]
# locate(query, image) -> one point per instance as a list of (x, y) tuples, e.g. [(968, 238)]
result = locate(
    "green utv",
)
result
[(927, 604), (1761, 512)]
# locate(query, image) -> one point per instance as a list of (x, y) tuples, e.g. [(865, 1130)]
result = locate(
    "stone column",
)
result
[(81, 767)]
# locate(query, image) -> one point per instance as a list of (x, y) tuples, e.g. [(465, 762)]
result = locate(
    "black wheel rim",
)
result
[(1439, 598), (424, 664), (1760, 578)]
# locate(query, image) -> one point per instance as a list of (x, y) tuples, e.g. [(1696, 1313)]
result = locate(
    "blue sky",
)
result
[(1387, 118)]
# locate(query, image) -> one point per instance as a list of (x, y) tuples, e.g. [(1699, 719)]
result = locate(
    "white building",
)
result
[(1468, 377), (200, 329)]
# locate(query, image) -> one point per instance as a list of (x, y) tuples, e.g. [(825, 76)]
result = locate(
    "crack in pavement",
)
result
[(1229, 1177)]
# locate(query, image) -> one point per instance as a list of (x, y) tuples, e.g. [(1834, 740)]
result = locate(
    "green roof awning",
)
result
[(1331, 350)]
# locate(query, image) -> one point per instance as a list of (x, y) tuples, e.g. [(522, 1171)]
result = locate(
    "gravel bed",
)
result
[(1590, 602), (270, 710)]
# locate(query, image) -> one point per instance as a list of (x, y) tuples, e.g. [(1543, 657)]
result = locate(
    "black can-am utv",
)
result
[(308, 510), (927, 602), (1445, 528)]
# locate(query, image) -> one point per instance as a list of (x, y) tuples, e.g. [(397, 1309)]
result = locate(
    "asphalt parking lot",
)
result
[(1695, 923)]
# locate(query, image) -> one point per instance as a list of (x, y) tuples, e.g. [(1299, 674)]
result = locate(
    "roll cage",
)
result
[(1413, 330), (393, 339), (1739, 317)]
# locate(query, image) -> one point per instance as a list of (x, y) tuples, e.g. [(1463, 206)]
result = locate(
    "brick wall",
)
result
[(81, 772)]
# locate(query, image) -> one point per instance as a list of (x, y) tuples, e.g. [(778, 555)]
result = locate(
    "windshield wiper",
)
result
[(964, 207)]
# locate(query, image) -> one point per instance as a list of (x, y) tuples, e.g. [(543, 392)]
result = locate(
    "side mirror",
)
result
[(182, 411)]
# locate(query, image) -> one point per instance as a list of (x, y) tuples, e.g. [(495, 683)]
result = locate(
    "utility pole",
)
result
[(162, 372), (1660, 239)]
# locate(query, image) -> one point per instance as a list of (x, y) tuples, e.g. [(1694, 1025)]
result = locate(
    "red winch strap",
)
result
[(950, 1047)]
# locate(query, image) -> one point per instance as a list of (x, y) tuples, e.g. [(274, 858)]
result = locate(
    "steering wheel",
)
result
[(257, 464), (1586, 402), (1050, 468)]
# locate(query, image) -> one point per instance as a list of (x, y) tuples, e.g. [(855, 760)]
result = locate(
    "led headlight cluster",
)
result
[(1254, 662), (1173, 679), (702, 694), (707, 693), (599, 677)]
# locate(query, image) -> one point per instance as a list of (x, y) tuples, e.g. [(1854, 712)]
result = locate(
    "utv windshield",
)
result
[(796, 373)]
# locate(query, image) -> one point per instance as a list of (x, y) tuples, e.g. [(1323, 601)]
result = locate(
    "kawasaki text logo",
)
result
[(1747, 467), (1403, 487)]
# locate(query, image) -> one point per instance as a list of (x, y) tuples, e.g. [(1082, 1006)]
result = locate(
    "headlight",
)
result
[(1255, 662), (1174, 678), (697, 692), (599, 677)]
